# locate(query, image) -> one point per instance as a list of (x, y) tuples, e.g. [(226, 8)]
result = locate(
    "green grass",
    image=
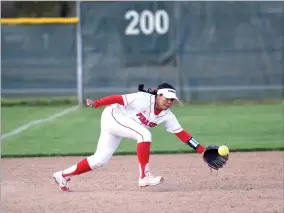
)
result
[(15, 116), (241, 127)]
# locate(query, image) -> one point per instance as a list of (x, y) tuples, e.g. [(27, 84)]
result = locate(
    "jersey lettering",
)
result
[(144, 120), (140, 107)]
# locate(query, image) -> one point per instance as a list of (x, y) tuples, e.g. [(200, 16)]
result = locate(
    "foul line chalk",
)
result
[(35, 122)]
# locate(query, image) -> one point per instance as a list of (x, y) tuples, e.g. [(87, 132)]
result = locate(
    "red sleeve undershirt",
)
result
[(184, 136), (108, 100)]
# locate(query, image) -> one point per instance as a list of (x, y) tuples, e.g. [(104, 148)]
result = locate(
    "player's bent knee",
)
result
[(145, 136), (96, 161)]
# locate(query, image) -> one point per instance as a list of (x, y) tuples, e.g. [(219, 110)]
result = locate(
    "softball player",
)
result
[(131, 116)]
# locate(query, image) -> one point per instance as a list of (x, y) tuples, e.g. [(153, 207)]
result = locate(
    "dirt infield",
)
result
[(251, 182)]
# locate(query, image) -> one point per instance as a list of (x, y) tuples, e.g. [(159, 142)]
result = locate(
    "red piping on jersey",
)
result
[(150, 107), (108, 100), (126, 126), (126, 100), (184, 136)]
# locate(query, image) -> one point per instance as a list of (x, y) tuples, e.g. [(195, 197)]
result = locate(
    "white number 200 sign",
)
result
[(146, 22)]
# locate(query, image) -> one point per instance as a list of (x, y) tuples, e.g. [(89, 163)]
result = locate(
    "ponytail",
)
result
[(150, 91)]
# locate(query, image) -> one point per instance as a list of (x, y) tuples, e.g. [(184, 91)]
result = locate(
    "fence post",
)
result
[(79, 50)]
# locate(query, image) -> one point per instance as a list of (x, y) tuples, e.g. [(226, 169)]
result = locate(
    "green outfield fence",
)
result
[(211, 51)]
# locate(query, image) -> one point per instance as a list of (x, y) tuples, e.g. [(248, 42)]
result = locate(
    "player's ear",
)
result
[(159, 96)]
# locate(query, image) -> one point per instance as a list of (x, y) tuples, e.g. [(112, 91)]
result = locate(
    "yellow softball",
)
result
[(223, 150)]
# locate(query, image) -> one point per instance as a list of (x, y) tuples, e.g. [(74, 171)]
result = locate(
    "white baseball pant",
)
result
[(114, 127)]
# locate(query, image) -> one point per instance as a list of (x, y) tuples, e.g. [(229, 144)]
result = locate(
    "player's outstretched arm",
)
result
[(172, 125), (190, 141), (108, 100)]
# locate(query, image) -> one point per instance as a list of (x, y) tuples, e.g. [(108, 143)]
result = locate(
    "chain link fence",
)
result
[(209, 50)]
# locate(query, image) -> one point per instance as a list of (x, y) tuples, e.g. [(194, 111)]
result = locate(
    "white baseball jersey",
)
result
[(132, 121), (139, 106)]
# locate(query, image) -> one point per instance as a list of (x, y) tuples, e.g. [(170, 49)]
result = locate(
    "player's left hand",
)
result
[(90, 103), (212, 157)]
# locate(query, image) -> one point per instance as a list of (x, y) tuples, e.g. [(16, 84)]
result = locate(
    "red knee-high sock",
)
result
[(143, 153), (81, 167)]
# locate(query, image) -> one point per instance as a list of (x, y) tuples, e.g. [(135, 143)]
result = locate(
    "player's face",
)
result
[(164, 103)]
